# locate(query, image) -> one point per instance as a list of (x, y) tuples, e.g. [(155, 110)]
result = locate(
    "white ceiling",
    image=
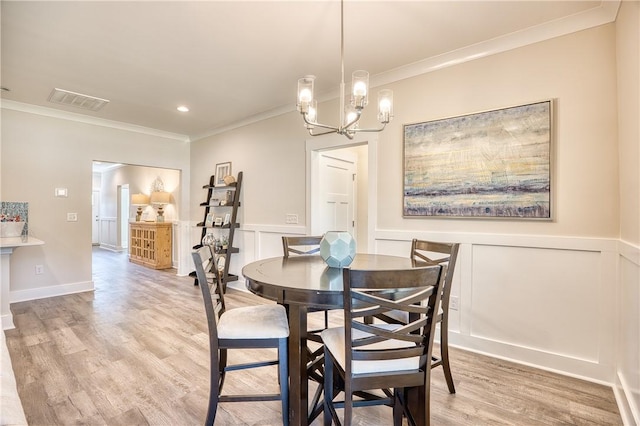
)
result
[(234, 61)]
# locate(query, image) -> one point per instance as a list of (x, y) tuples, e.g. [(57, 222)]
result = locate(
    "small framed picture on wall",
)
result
[(222, 170)]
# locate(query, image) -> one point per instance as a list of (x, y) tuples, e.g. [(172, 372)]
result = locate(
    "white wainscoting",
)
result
[(544, 301), (627, 385), (109, 234)]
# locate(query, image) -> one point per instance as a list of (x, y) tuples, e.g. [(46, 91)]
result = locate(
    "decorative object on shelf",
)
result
[(218, 221), (222, 170), (348, 119), (227, 219), (12, 211), (337, 248), (209, 240), (160, 199), (229, 180), (139, 200), (11, 229)]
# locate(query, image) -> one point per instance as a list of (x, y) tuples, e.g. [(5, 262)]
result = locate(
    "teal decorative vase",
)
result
[(338, 249)]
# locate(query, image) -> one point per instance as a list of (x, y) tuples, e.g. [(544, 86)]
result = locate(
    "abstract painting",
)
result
[(494, 164)]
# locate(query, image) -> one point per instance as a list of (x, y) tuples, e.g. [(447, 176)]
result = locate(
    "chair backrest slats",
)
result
[(304, 245), (414, 291), (211, 287)]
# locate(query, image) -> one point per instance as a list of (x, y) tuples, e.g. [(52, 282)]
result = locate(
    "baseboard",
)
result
[(630, 415), (51, 291)]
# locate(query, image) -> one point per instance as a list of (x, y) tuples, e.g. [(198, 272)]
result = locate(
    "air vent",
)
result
[(78, 100)]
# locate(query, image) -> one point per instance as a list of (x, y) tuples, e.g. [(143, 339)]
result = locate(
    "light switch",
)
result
[(61, 192)]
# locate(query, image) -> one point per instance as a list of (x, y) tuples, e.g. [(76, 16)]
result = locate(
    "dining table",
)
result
[(303, 283)]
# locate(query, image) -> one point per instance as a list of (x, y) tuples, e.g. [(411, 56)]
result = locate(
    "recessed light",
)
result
[(183, 108)]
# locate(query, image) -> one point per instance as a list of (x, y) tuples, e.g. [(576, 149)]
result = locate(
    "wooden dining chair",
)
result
[(250, 327), (429, 253), (305, 246), (368, 357), (309, 245), (441, 253)]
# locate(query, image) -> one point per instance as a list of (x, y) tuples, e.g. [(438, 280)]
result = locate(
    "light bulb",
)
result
[(360, 88), (304, 95)]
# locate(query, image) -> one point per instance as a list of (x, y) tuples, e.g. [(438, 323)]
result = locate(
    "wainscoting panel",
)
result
[(543, 299), (109, 233), (628, 366)]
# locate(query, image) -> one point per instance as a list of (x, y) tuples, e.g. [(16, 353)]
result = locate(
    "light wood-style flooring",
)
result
[(135, 352)]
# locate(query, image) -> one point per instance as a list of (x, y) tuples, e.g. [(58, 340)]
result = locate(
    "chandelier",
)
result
[(349, 114)]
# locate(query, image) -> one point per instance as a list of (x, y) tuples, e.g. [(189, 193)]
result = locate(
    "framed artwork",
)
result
[(493, 164), (209, 220), (227, 219), (222, 170), (218, 221)]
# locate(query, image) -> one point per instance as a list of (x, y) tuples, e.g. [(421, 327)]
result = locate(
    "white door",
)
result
[(95, 214), (336, 192)]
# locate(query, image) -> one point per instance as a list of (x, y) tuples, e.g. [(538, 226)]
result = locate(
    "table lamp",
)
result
[(160, 199), (139, 200)]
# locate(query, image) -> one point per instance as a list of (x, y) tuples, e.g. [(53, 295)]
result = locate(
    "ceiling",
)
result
[(232, 62)]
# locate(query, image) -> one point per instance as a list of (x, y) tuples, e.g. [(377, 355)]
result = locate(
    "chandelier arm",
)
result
[(324, 126), (370, 130), (333, 130)]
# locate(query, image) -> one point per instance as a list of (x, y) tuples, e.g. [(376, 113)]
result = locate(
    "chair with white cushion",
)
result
[(251, 327), (368, 357)]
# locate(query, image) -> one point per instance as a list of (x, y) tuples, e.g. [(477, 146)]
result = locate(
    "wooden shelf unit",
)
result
[(231, 207), (150, 244)]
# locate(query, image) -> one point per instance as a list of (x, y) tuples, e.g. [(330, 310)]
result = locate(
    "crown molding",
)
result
[(604, 14), (80, 118)]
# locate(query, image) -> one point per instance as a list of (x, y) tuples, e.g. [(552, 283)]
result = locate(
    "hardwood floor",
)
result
[(135, 352)]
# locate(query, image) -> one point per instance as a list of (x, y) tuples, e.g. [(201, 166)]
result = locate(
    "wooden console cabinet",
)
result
[(150, 244)]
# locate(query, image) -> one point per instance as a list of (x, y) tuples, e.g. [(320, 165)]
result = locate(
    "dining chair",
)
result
[(309, 245), (428, 253), (250, 327), (368, 357)]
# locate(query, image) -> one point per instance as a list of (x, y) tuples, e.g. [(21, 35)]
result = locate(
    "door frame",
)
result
[(335, 141)]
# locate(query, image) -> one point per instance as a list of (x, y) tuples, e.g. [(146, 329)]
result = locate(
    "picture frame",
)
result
[(218, 221), (227, 219), (209, 220), (492, 164), (222, 170)]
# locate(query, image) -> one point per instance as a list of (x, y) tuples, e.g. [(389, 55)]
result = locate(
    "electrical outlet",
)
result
[(72, 217), (39, 269), (453, 303), (291, 218)]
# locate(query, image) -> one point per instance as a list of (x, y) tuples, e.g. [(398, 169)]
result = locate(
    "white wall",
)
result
[(40, 153), (538, 292)]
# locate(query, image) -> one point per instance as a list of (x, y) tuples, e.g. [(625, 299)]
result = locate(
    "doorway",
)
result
[(365, 194)]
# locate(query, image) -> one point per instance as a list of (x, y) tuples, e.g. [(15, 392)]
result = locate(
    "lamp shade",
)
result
[(139, 200), (160, 198)]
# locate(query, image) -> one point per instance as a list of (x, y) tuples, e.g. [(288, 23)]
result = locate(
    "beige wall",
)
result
[(578, 70), (40, 153), (139, 180), (628, 319)]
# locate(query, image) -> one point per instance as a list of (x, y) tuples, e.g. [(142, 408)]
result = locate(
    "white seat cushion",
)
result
[(333, 339), (254, 322)]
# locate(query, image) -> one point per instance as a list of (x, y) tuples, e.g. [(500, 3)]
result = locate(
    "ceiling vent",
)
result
[(78, 100)]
